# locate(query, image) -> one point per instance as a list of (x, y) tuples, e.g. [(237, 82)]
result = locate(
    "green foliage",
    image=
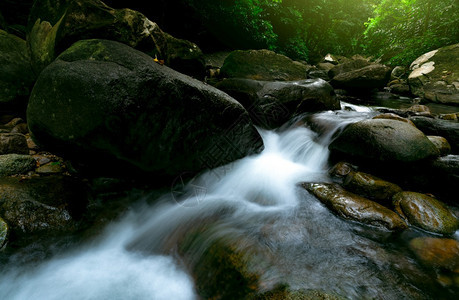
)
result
[(402, 30)]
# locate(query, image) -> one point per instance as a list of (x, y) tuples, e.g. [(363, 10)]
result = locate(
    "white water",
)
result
[(132, 260)]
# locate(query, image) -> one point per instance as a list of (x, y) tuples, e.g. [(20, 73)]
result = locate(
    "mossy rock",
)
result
[(435, 75), (426, 212), (437, 252), (284, 293), (262, 65), (16, 76), (11, 164)]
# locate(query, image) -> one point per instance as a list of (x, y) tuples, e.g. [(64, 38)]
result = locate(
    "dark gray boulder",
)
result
[(366, 78), (262, 65), (272, 103), (105, 100), (384, 140)]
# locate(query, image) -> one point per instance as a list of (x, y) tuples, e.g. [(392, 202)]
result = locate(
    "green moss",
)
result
[(11, 164), (3, 232)]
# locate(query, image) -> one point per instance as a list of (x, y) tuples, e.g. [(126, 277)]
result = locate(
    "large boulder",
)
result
[(425, 212), (364, 78), (54, 25), (447, 129), (436, 252), (115, 103), (262, 65), (348, 66), (434, 75), (16, 76), (354, 207), (271, 104), (384, 140)]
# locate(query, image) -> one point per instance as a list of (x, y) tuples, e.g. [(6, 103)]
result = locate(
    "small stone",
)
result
[(14, 122), (41, 159), (51, 168), (31, 144), (449, 117), (341, 169), (11, 164), (13, 143), (20, 128)]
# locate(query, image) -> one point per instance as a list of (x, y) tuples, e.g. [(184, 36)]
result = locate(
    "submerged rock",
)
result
[(11, 164), (384, 140), (270, 104), (354, 207), (437, 252), (434, 75), (104, 101), (370, 186), (16, 76), (425, 212), (262, 65)]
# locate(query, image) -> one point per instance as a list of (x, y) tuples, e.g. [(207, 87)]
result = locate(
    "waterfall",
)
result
[(135, 257)]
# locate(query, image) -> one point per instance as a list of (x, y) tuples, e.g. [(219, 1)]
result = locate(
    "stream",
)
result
[(255, 203)]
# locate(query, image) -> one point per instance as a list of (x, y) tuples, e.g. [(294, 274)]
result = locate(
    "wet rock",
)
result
[(400, 89), (42, 203), (434, 75), (11, 164), (3, 233), (392, 116), (370, 186), (425, 212), (384, 140), (354, 207), (436, 252), (447, 129), (270, 104), (16, 77), (341, 169), (325, 66), (13, 143), (14, 122), (262, 65), (55, 25), (31, 144), (419, 110), (122, 91), (50, 168), (441, 143)]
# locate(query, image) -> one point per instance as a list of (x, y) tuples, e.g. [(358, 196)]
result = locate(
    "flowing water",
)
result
[(255, 202)]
